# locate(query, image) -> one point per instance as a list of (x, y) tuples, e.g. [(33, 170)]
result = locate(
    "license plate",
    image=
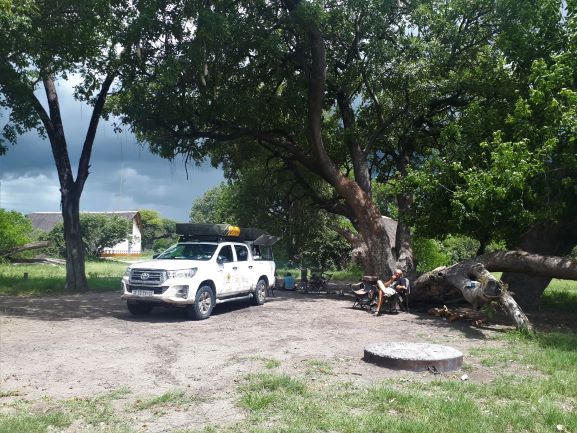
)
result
[(143, 292)]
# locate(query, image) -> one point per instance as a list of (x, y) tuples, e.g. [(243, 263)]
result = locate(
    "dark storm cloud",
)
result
[(123, 175)]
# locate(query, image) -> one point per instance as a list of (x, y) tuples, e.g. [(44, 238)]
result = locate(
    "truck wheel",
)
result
[(139, 308), (204, 302), (259, 294)]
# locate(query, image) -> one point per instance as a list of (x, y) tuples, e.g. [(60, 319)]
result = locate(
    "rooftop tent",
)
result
[(219, 232), (266, 240)]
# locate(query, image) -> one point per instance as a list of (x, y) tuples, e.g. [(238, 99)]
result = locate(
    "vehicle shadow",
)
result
[(101, 305), (91, 306)]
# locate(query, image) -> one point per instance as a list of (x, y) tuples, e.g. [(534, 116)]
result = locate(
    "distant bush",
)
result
[(459, 248), (429, 254), (15, 230), (160, 245), (98, 232)]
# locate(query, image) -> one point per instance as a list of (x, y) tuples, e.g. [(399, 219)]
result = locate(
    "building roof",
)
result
[(46, 221)]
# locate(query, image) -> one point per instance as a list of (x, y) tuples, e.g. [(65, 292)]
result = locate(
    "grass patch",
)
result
[(532, 403), (93, 414), (344, 275), (560, 295), (172, 398), (271, 363), (102, 275), (319, 366), (97, 410), (266, 391), (26, 422)]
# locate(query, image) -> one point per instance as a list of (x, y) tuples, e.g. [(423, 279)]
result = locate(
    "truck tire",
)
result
[(259, 294), (204, 302), (139, 308)]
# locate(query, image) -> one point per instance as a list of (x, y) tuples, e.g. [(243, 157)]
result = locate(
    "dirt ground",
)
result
[(74, 346)]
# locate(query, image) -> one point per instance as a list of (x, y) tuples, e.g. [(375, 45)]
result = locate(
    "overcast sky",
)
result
[(123, 175)]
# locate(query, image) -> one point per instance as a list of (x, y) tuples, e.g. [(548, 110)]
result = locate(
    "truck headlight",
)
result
[(182, 273), (127, 272)]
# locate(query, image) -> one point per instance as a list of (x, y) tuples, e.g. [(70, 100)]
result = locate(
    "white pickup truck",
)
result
[(203, 270)]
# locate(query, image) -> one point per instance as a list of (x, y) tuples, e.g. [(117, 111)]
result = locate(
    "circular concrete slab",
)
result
[(414, 356)]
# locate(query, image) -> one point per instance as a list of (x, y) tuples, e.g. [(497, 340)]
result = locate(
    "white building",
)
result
[(131, 246)]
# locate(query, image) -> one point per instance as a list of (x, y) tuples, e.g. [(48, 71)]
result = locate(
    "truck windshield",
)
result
[(189, 252)]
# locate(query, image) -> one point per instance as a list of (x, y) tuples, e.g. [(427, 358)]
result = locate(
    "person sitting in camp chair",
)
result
[(388, 295)]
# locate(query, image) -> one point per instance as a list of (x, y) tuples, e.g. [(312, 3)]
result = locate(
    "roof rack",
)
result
[(224, 232)]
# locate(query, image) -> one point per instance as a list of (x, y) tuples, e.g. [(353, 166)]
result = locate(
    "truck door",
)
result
[(245, 269), (227, 270)]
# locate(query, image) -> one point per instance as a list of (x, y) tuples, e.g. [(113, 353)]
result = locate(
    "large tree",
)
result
[(45, 41), (508, 171), (337, 92), (341, 93)]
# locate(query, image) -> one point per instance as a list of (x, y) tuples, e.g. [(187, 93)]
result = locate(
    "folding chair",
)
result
[(403, 298)]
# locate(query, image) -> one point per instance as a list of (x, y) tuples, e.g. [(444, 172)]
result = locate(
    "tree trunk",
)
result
[(75, 271), (369, 223), (556, 240), (405, 259), (379, 257), (70, 189)]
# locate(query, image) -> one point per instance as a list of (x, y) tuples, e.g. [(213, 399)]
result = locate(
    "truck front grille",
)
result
[(147, 277)]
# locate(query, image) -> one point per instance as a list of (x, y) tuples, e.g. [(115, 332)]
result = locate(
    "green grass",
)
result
[(536, 402), (344, 275), (536, 396), (102, 275), (95, 414), (560, 295), (271, 363), (174, 398), (319, 366)]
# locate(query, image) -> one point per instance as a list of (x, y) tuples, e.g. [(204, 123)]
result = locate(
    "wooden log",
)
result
[(26, 247)]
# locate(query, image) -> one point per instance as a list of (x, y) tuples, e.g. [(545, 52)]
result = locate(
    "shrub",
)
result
[(98, 232), (15, 230), (429, 254)]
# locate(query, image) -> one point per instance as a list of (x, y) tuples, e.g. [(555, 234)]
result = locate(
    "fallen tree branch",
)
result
[(530, 263), (472, 281), (45, 261), (26, 247)]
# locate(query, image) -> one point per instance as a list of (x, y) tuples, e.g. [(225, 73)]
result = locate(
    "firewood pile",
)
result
[(453, 314)]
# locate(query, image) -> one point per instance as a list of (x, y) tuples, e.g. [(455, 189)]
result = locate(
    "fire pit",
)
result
[(414, 356)]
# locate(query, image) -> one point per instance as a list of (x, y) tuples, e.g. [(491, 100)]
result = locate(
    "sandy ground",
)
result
[(74, 346)]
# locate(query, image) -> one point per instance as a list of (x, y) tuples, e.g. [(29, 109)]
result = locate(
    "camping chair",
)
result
[(403, 298), (364, 292), (362, 297)]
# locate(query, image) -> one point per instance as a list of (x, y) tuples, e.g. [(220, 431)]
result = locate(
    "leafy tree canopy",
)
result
[(15, 230), (155, 229), (98, 232), (510, 161)]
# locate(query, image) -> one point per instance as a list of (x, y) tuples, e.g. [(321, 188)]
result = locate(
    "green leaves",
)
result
[(15, 230), (98, 232)]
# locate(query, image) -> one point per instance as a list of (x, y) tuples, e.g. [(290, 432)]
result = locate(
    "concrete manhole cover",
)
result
[(414, 356)]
